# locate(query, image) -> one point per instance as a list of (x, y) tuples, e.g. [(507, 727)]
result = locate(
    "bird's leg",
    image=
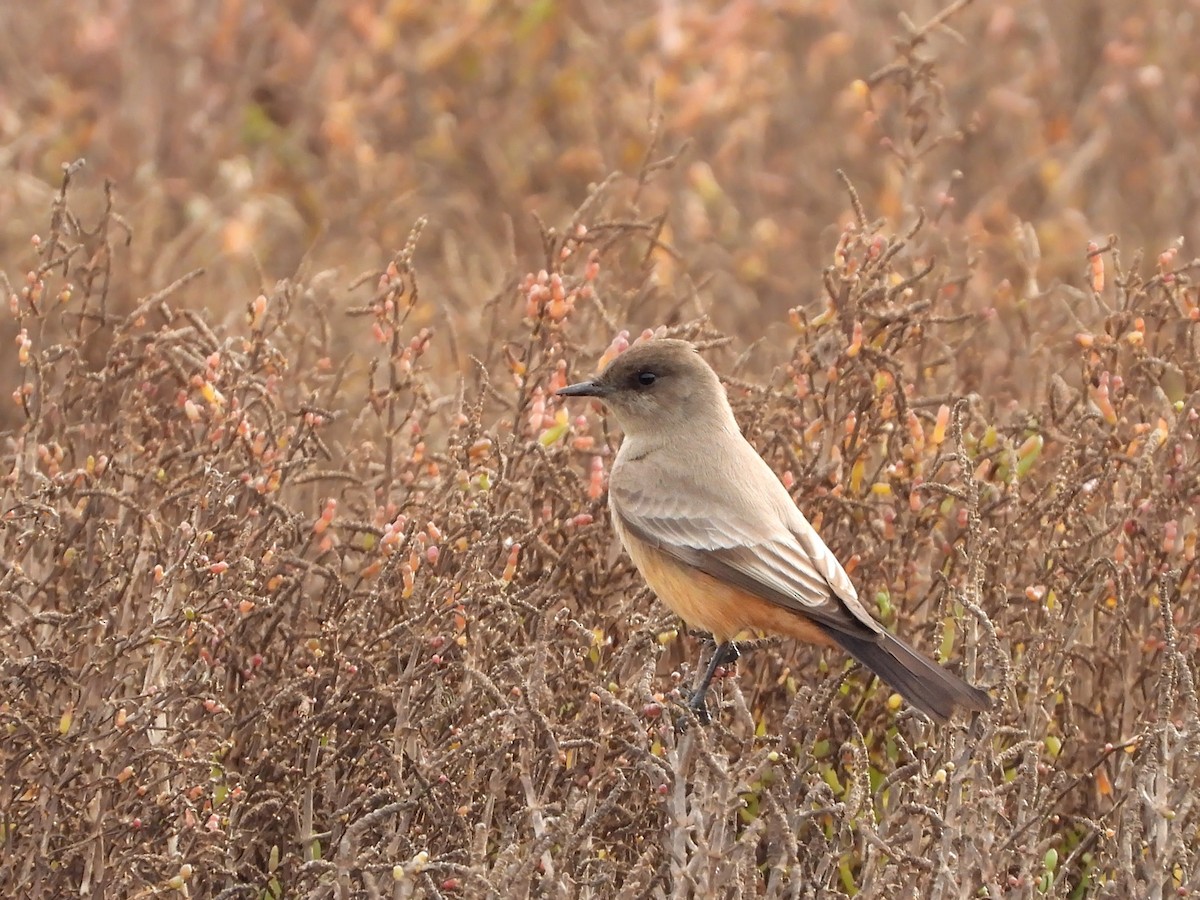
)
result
[(724, 653)]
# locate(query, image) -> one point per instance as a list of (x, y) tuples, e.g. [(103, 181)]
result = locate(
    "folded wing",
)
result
[(779, 559), (785, 562)]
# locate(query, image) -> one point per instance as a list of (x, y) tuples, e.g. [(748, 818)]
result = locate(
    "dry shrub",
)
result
[(306, 627), (311, 592)]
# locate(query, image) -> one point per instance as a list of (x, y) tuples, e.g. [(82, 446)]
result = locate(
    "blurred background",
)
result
[(306, 581), (249, 136)]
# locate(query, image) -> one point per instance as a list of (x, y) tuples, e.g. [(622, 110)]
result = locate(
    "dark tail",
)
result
[(921, 682)]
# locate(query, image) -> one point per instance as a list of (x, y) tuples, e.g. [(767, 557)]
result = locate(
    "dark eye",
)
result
[(645, 379)]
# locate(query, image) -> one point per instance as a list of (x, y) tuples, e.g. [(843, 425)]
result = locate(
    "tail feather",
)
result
[(922, 682)]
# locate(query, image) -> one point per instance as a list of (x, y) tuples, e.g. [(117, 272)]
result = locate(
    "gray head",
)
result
[(658, 384)]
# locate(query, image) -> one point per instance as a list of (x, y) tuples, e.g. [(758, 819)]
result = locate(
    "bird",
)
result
[(718, 538)]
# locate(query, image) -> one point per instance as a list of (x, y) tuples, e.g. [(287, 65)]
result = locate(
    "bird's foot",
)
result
[(697, 706), (724, 654)]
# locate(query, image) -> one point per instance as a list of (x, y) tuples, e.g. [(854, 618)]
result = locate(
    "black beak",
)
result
[(584, 389)]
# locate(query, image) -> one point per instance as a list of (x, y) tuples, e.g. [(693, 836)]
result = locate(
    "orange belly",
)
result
[(709, 604)]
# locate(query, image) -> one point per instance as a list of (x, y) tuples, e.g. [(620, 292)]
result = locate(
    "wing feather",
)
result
[(772, 563)]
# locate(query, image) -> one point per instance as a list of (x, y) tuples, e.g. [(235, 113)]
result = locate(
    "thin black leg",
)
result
[(723, 654)]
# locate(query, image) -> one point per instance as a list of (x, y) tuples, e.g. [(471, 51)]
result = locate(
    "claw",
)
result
[(701, 712)]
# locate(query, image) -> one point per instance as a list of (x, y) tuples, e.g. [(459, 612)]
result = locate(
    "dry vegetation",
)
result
[(307, 584)]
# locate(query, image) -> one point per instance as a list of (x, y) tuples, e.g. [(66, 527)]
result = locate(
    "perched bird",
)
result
[(717, 536)]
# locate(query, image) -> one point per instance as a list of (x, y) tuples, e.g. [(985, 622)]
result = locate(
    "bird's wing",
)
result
[(775, 556)]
